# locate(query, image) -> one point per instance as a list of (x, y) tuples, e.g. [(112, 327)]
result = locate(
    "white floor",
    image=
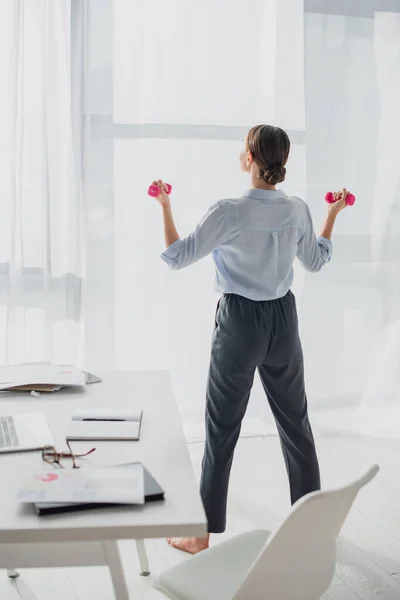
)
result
[(369, 550)]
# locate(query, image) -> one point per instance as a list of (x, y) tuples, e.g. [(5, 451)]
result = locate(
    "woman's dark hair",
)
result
[(270, 148)]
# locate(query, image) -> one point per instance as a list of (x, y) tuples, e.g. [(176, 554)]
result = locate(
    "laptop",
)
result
[(25, 431), (152, 493)]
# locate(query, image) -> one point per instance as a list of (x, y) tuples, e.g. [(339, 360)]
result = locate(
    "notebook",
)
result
[(105, 424), (152, 493)]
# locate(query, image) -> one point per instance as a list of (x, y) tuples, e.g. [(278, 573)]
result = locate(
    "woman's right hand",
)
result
[(340, 203)]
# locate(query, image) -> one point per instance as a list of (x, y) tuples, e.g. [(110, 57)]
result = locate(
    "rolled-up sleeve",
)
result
[(210, 233), (313, 252)]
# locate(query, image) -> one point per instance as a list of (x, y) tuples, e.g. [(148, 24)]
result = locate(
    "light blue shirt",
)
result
[(254, 241)]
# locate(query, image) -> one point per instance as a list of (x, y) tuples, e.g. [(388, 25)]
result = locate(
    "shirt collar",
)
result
[(264, 194)]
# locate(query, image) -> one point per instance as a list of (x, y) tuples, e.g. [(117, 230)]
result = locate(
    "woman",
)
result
[(254, 241)]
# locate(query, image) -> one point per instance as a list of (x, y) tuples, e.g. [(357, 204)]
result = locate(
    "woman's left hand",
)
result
[(162, 197)]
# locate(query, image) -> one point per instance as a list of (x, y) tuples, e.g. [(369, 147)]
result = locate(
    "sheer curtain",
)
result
[(139, 90), (352, 88), (41, 227), (172, 89)]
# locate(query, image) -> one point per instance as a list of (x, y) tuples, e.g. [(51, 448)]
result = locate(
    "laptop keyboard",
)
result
[(8, 435)]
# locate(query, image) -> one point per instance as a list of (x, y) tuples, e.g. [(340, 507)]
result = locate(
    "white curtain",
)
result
[(351, 313), (173, 88), (41, 225), (169, 89)]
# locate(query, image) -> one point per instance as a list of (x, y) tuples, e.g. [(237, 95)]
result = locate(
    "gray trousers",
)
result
[(252, 335)]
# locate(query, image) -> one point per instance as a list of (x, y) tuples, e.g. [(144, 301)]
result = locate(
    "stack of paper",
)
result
[(40, 378), (152, 493), (110, 485)]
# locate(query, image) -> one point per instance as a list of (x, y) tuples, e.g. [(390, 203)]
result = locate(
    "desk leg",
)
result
[(12, 573), (113, 559), (143, 560)]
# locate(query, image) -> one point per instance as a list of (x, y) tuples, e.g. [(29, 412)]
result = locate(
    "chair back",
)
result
[(298, 561)]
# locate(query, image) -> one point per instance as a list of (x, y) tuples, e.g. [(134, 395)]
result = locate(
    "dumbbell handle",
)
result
[(154, 190), (330, 199)]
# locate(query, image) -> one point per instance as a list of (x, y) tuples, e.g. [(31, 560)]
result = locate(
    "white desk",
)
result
[(90, 538)]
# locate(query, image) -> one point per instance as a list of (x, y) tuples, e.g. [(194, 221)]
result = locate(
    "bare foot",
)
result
[(190, 545)]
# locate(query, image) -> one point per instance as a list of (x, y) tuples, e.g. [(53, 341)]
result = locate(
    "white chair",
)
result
[(295, 563)]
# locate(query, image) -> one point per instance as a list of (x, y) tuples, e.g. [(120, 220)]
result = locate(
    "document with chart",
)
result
[(99, 485)]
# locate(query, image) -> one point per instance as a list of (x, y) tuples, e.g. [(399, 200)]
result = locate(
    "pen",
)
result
[(108, 420)]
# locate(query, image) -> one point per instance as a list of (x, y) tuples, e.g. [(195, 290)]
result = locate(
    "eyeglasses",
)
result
[(51, 456)]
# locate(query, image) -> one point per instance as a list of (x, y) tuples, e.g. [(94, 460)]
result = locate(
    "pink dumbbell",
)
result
[(154, 190), (330, 198)]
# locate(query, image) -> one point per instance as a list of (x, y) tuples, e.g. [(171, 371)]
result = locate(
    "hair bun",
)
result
[(274, 175)]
